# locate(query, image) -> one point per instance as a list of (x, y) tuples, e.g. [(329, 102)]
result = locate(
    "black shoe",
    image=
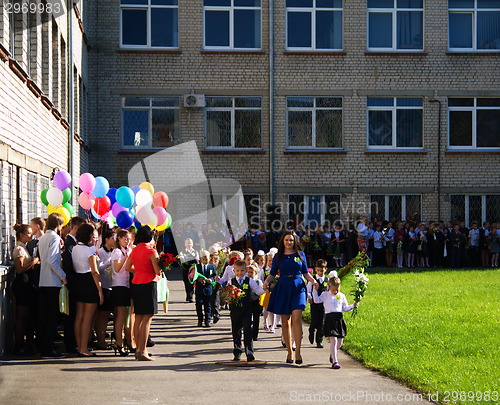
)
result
[(298, 361), (283, 344), (150, 342), (319, 345), (255, 339), (311, 337), (250, 357), (289, 361), (216, 319), (207, 325), (200, 324), (52, 354), (236, 358), (190, 301)]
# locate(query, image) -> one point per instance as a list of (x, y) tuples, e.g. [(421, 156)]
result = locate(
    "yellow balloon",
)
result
[(153, 223), (162, 227), (51, 209), (64, 212), (147, 186)]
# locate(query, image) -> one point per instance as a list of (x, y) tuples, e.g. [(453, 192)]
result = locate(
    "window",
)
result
[(32, 196), (474, 25), (243, 209), (394, 123), (252, 207), (313, 210), (475, 208), (395, 25), (233, 122), (474, 123), (314, 24), (314, 122), (149, 23), (232, 24), (150, 122), (396, 207)]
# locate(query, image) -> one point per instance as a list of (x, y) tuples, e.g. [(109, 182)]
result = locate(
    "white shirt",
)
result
[(310, 286), (105, 267), (474, 237), (332, 303), (49, 248), (121, 276), (80, 255), (378, 240), (227, 276), (253, 284)]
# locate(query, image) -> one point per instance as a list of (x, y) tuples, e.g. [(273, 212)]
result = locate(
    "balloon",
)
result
[(111, 220), (136, 189), (143, 197), (55, 196), (112, 195), (145, 214), (64, 212), (160, 199), (66, 195), (43, 196), (137, 224), (86, 200), (69, 207), (62, 180), (95, 214), (168, 222), (102, 205), (147, 186), (87, 182), (161, 227), (105, 216), (153, 223), (51, 209), (116, 208), (161, 214), (101, 187), (125, 197), (124, 219)]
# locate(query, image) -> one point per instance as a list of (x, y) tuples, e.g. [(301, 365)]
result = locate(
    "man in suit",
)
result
[(52, 277), (204, 288)]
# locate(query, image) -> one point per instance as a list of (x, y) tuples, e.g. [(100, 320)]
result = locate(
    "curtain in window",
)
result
[(409, 129), (380, 128), (409, 30), (488, 29)]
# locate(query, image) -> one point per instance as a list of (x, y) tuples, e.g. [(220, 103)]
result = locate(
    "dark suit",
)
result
[(204, 292), (69, 320), (241, 320)]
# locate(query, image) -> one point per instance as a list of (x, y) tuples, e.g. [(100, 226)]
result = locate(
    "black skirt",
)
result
[(107, 304), (334, 325), (120, 296), (85, 289), (23, 290), (145, 298)]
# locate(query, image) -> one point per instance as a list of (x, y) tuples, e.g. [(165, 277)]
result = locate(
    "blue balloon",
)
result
[(137, 224), (95, 214), (135, 189), (124, 219), (112, 195), (101, 187), (125, 197)]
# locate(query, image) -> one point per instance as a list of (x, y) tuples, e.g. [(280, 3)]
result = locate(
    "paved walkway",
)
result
[(185, 372)]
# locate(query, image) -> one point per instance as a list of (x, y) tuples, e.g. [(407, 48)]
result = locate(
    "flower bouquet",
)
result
[(166, 261), (360, 288), (360, 262), (232, 295)]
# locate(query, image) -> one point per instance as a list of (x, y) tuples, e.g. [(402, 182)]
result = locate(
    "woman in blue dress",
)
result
[(288, 297)]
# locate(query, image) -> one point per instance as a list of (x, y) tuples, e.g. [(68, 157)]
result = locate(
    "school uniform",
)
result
[(334, 324), (256, 311), (69, 320), (203, 293), (317, 310)]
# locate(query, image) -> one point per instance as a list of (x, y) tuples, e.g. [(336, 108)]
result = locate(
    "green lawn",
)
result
[(435, 331)]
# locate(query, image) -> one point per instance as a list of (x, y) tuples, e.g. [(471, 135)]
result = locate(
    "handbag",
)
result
[(64, 300), (264, 299)]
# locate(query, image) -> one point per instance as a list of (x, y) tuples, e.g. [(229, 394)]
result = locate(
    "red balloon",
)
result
[(160, 199), (102, 205)]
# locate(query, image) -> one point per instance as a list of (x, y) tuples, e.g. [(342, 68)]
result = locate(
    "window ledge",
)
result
[(319, 53), (321, 151), (395, 151), (396, 53), (494, 52), (233, 152), (494, 151), (18, 70), (232, 52), (4, 53), (148, 50), (166, 149)]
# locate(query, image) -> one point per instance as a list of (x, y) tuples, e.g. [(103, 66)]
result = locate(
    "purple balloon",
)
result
[(116, 209), (62, 180)]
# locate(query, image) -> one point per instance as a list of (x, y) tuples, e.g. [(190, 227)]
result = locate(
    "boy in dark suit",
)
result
[(317, 310), (241, 315), (204, 288)]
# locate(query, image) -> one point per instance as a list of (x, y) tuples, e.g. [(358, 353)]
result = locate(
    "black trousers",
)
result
[(48, 311), (203, 304), (187, 285), (69, 320), (241, 321), (215, 301), (317, 316), (256, 311)]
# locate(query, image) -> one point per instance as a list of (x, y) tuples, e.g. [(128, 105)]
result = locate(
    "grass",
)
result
[(435, 331)]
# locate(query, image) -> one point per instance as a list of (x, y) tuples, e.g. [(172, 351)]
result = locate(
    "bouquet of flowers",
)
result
[(337, 255), (360, 288), (400, 246), (223, 255), (357, 264), (166, 261), (232, 294)]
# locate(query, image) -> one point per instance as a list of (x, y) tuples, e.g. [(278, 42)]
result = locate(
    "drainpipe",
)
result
[(271, 102), (71, 95), (434, 100)]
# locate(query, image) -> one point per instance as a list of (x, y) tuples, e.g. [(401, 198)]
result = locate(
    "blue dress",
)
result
[(289, 293)]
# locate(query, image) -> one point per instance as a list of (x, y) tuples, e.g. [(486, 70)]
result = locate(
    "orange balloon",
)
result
[(160, 199)]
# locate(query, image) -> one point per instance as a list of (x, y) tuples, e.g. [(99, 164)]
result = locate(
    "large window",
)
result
[(232, 24), (233, 122), (314, 24), (149, 23), (245, 210), (474, 25), (394, 123), (396, 207), (475, 208), (474, 123), (395, 25), (32, 196), (314, 122), (313, 210), (150, 122)]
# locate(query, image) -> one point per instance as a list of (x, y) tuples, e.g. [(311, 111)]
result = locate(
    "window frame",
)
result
[(394, 20), (323, 208), (474, 11), (467, 219), (403, 205), (473, 109), (242, 210), (231, 9), (31, 191), (314, 109), (150, 121), (148, 7), (313, 10), (393, 110), (232, 111)]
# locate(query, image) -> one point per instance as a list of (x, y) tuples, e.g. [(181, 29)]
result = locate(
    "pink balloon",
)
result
[(161, 214), (160, 199), (116, 209), (86, 200), (105, 216), (87, 182)]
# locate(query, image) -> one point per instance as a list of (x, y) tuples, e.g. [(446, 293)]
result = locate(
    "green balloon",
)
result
[(66, 195), (69, 207), (168, 221), (43, 197)]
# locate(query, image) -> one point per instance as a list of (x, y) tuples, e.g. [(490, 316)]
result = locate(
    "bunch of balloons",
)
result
[(125, 206), (57, 198)]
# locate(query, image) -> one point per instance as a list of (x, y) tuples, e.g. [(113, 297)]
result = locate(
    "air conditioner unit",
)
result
[(194, 100)]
